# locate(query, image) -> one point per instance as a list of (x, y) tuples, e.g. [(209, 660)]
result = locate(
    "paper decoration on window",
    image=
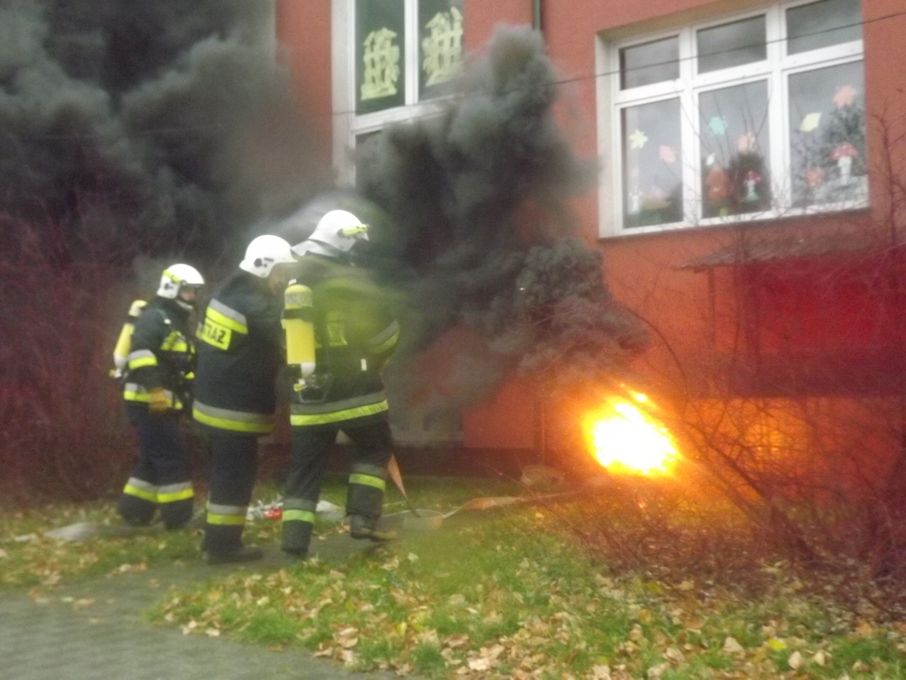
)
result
[(637, 139), (844, 153), (810, 122), (667, 154), (845, 96), (746, 143), (751, 181), (814, 177), (443, 47), (718, 184), (381, 65), (655, 199), (718, 125)]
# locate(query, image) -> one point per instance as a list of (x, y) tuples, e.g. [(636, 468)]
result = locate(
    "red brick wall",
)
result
[(304, 36)]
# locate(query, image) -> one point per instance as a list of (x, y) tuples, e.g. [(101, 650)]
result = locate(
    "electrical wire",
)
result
[(556, 83)]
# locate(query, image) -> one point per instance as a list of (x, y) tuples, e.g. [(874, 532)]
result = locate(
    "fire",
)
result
[(626, 439)]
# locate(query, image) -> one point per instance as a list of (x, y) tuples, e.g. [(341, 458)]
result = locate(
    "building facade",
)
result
[(750, 172)]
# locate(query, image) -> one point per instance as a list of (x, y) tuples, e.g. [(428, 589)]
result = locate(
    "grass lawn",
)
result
[(521, 592)]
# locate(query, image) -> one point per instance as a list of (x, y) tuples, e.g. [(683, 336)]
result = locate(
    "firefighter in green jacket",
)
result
[(354, 336), (239, 355), (157, 386)]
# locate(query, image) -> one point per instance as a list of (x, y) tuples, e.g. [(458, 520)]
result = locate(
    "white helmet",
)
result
[(264, 253), (336, 233), (176, 277)]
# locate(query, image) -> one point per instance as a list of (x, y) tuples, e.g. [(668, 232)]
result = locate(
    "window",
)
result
[(397, 38), (391, 59), (752, 116)]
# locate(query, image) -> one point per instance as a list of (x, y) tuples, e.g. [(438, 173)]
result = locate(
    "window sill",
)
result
[(754, 218)]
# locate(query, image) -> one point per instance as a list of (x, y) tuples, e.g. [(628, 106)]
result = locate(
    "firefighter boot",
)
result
[(244, 553), (298, 522), (223, 544), (364, 498), (177, 514), (135, 505), (367, 527)]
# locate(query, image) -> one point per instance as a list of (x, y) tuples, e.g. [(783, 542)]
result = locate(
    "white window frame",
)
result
[(775, 70), (349, 125)]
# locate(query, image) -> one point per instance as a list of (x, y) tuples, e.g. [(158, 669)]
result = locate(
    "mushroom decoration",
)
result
[(718, 184), (814, 177), (752, 178), (844, 154)]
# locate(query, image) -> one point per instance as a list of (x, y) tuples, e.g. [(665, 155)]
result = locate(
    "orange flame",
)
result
[(626, 439)]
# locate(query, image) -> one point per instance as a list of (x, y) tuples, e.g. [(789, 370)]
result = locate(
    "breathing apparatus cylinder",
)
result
[(124, 341), (298, 325)]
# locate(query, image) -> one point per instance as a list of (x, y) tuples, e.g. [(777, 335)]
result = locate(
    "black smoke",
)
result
[(476, 227), (154, 128)]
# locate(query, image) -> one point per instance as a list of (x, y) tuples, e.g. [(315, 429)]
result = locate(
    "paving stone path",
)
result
[(96, 630)]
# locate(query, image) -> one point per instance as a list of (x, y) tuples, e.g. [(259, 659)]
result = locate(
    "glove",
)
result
[(158, 401)]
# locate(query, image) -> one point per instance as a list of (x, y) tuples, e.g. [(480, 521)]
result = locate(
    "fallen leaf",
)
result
[(795, 660), (675, 655), (731, 646), (820, 658), (865, 629), (480, 664), (600, 672), (655, 672), (776, 645), (347, 638), (456, 641)]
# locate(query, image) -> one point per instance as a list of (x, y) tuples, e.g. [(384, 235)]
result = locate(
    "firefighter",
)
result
[(157, 387), (239, 355), (354, 337)]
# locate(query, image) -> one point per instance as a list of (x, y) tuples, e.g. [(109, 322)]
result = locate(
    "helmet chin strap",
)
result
[(326, 249), (185, 304)]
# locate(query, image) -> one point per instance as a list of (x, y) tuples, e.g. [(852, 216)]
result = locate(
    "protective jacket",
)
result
[(239, 354), (355, 335), (162, 354)]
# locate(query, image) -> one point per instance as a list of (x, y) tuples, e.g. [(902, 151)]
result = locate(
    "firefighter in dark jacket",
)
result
[(157, 387), (239, 355), (354, 336)]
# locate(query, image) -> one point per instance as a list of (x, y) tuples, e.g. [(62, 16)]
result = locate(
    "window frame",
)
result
[(349, 125), (775, 70)]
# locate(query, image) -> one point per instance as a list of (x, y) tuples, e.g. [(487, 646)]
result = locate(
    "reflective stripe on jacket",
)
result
[(239, 354), (355, 335), (162, 354)]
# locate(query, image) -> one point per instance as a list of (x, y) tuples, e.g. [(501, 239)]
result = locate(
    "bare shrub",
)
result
[(65, 432)]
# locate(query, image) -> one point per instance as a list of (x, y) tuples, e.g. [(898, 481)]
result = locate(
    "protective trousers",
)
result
[(160, 478), (310, 452), (234, 465)]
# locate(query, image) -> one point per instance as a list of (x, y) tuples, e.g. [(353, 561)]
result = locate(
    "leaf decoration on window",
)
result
[(810, 122), (845, 96), (718, 125), (638, 139)]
